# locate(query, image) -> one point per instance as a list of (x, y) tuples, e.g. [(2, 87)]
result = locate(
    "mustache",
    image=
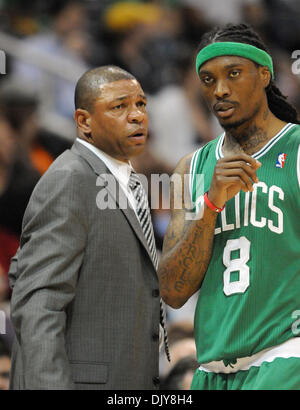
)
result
[(217, 105)]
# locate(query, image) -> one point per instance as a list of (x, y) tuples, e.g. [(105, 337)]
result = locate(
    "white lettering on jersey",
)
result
[(237, 211), (246, 213), (253, 220), (279, 228), (263, 196), (225, 226)]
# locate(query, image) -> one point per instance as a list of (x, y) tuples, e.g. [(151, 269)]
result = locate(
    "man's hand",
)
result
[(232, 174)]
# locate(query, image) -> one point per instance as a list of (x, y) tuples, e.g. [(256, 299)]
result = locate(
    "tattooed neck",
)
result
[(250, 140)]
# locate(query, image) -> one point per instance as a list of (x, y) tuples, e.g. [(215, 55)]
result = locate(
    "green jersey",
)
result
[(250, 295)]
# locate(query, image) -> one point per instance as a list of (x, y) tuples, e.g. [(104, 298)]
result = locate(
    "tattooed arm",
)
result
[(187, 246), (188, 243)]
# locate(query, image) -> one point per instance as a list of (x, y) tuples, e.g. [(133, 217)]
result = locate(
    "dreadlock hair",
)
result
[(243, 33)]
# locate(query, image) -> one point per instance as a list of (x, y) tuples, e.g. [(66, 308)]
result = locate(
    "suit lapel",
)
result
[(117, 194)]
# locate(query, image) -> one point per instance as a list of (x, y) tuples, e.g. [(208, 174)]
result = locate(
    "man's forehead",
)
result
[(119, 88), (224, 62)]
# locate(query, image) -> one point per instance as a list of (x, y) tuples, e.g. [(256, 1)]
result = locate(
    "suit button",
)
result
[(155, 380), (155, 337), (155, 293)]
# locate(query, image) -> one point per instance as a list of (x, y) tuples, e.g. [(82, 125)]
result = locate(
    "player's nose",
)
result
[(222, 89)]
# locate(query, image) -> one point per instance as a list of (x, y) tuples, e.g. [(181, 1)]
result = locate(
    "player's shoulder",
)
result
[(188, 161), (207, 152), (184, 164), (208, 147), (290, 138), (294, 132)]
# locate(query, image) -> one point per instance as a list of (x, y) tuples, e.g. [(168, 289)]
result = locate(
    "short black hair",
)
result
[(87, 87), (243, 33)]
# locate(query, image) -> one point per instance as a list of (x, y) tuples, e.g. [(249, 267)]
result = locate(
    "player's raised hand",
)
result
[(232, 174)]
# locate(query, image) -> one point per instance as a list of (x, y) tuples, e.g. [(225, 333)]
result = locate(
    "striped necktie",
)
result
[(144, 217)]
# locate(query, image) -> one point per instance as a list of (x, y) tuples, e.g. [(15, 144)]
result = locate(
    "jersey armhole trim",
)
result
[(298, 166), (192, 171)]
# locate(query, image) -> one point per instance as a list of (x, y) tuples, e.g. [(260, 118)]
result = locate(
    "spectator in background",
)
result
[(179, 119), (67, 38), (18, 175), (181, 344), (5, 365), (147, 42), (221, 12), (181, 375), (26, 152), (286, 79), (4, 286), (255, 14), (9, 243), (20, 107), (17, 180), (282, 23)]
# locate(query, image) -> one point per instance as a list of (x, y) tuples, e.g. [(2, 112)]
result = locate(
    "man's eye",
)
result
[(141, 104), (118, 107), (207, 80), (234, 73)]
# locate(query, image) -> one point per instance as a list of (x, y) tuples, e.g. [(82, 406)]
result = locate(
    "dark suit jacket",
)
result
[(85, 300)]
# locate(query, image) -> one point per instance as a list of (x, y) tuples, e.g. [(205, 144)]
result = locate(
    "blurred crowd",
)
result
[(49, 44)]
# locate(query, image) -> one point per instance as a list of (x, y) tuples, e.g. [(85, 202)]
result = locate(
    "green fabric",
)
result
[(234, 49), (280, 374), (250, 292)]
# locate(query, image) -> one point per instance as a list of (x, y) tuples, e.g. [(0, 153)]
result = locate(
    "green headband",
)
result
[(234, 49)]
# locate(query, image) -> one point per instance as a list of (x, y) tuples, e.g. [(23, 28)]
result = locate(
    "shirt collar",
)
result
[(121, 170)]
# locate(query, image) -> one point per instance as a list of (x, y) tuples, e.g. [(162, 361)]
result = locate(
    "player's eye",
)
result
[(207, 80), (141, 104), (234, 73)]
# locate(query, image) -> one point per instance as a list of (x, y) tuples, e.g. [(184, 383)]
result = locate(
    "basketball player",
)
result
[(242, 248)]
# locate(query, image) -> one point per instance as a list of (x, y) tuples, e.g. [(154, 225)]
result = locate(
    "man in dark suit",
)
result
[(85, 303)]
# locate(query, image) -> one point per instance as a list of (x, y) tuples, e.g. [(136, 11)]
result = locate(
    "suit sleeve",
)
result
[(45, 273), (13, 269)]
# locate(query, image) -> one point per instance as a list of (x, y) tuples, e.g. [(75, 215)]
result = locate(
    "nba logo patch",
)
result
[(280, 160)]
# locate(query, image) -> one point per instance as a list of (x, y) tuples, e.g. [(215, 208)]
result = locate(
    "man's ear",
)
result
[(83, 122), (265, 76)]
